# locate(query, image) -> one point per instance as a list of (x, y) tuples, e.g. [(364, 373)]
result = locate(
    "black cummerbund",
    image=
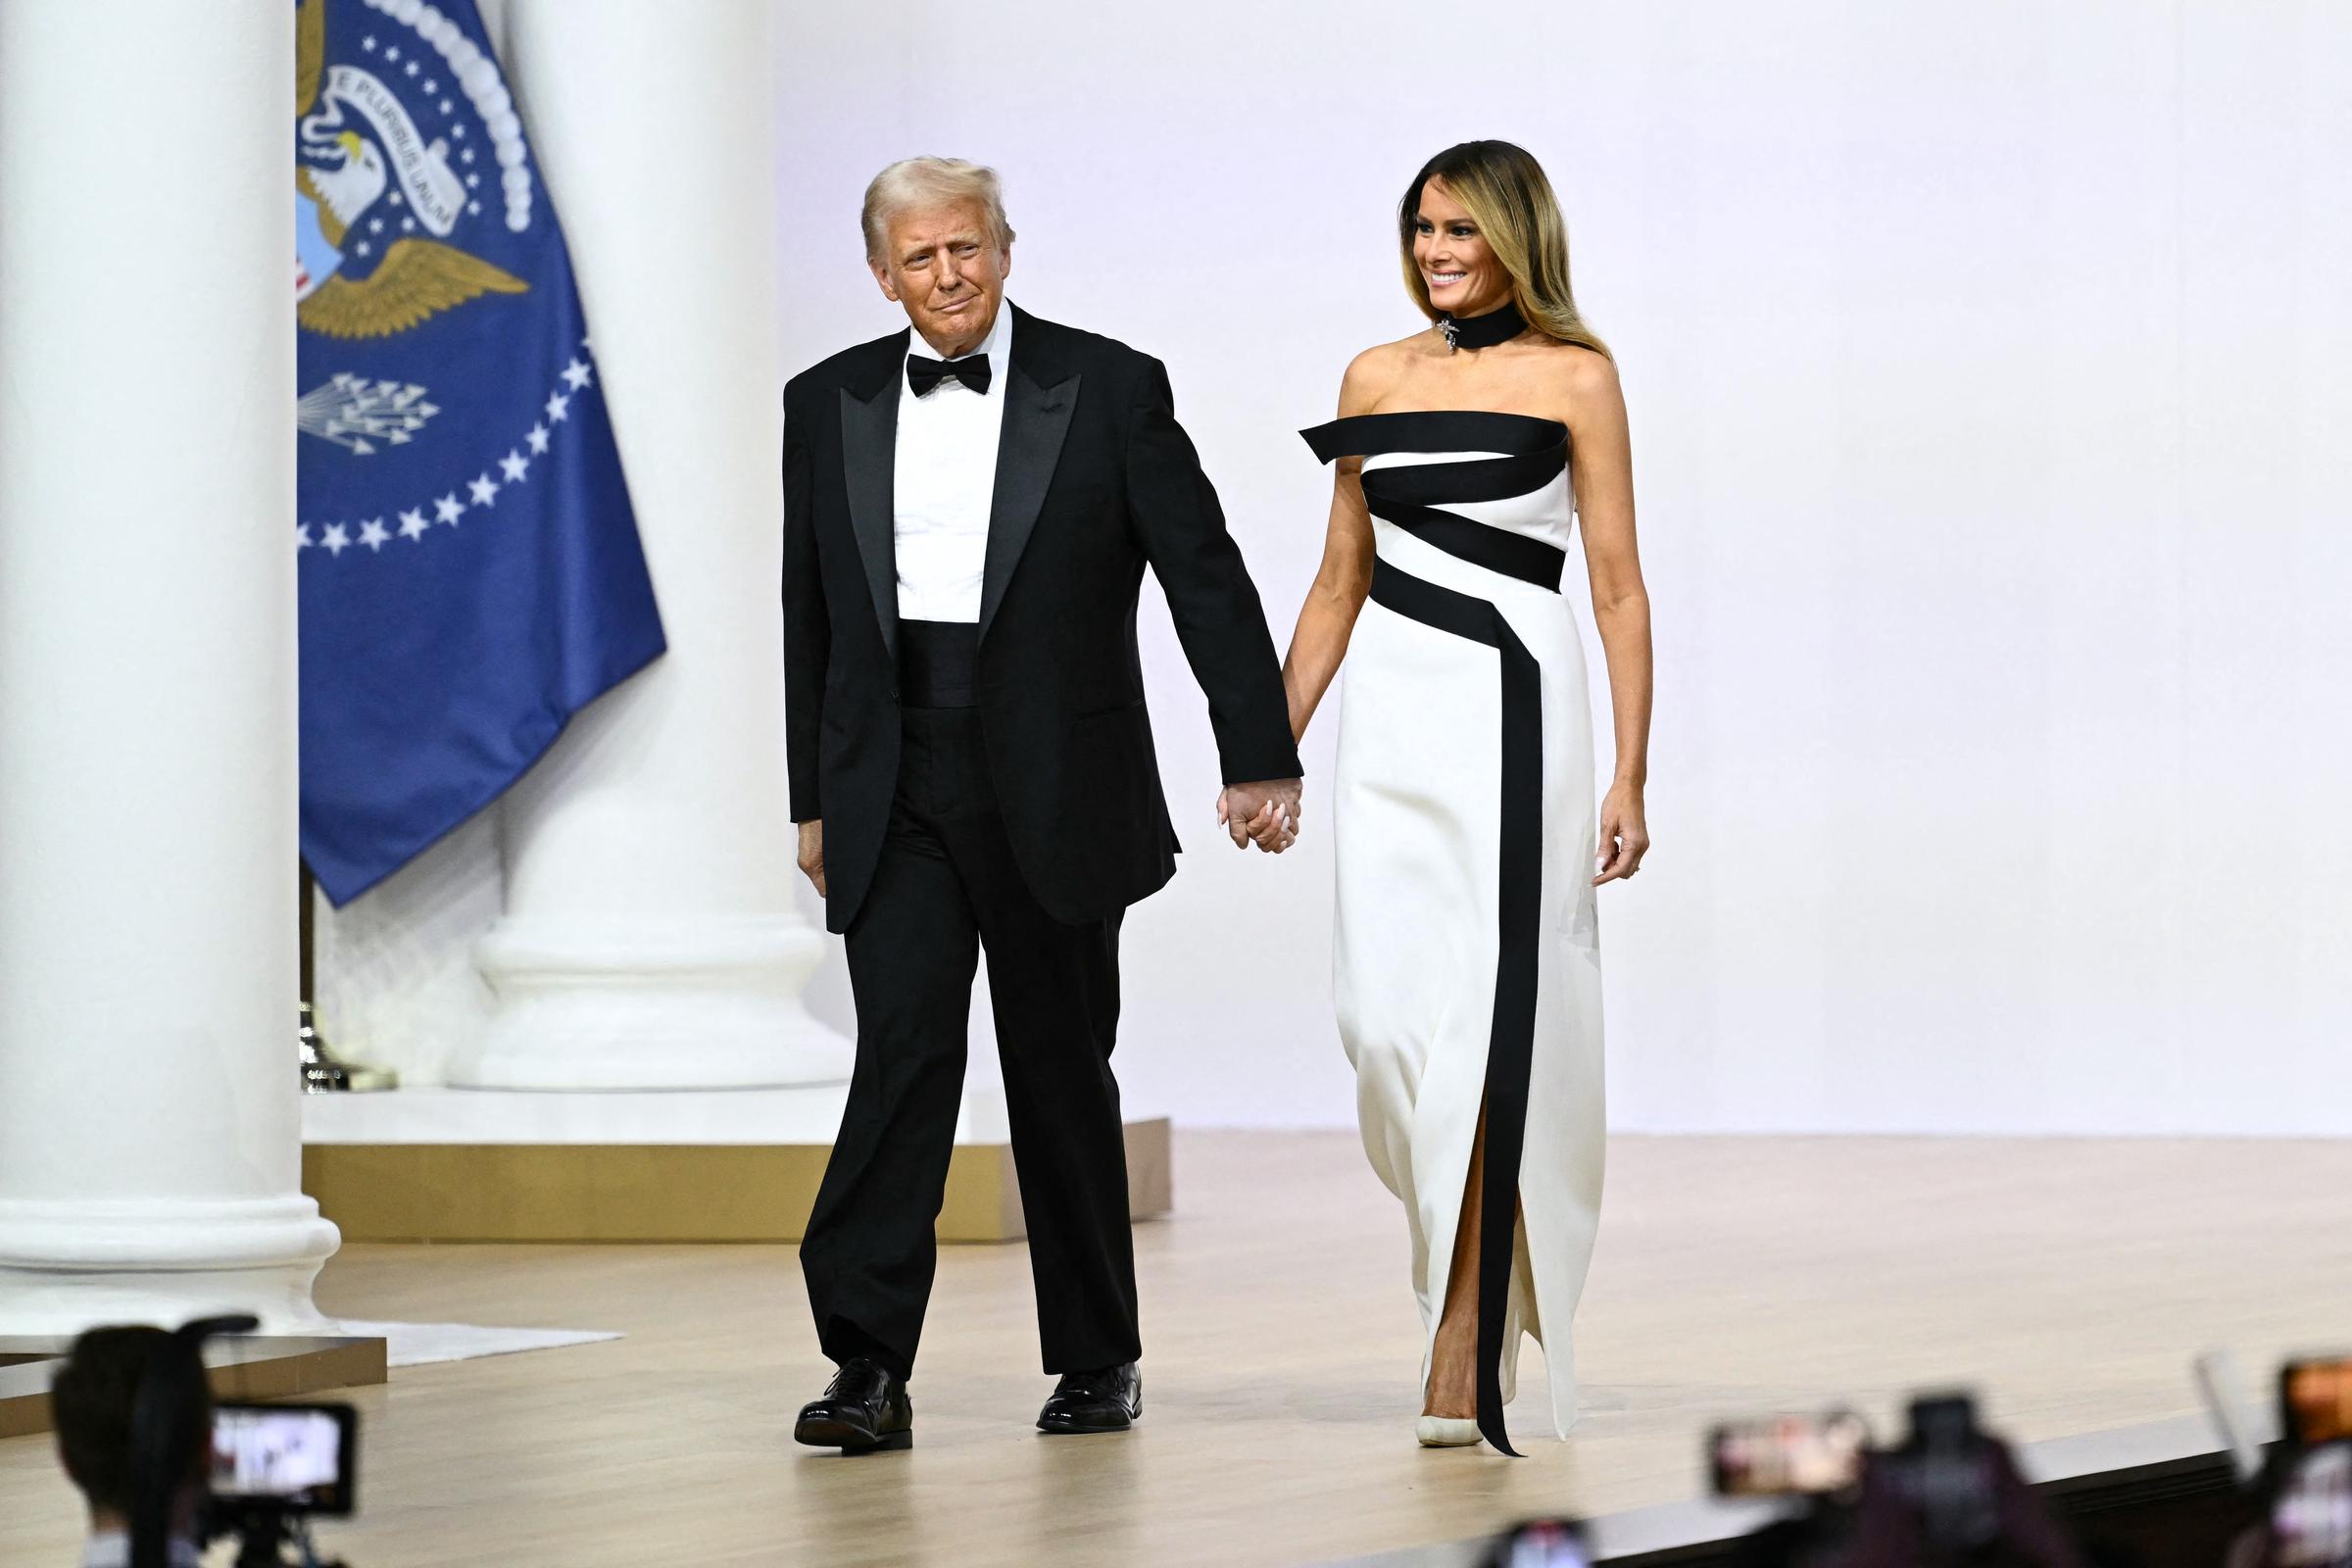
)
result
[(939, 663)]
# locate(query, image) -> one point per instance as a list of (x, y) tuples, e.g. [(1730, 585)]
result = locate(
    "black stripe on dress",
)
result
[(1519, 918), (1534, 451)]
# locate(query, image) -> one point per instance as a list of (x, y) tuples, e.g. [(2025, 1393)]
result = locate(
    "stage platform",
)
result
[(262, 1367), (2071, 1281), (740, 1166)]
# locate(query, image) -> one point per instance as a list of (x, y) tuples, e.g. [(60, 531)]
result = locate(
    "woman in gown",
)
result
[(1467, 975)]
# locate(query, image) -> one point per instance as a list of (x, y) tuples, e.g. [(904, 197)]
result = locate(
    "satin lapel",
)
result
[(1037, 418), (869, 442)]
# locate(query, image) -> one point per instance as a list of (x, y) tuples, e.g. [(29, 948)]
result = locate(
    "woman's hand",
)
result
[(1624, 833), (1263, 814)]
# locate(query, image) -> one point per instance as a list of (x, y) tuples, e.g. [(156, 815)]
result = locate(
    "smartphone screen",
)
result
[(298, 1457), (2315, 1400), (1544, 1544), (1789, 1456)]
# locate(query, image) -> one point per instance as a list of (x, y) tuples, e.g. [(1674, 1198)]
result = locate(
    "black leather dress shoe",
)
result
[(864, 1408), (1108, 1401)]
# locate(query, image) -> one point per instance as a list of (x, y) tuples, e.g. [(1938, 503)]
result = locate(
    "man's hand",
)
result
[(812, 854), (1265, 814)]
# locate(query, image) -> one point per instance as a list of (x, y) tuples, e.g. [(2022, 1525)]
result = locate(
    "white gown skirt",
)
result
[(1468, 969)]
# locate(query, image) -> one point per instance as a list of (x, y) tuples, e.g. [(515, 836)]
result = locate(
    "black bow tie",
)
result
[(923, 375)]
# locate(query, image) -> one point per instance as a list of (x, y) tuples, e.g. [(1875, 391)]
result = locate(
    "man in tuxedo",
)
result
[(968, 509)]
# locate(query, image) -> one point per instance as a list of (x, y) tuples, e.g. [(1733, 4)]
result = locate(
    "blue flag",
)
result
[(470, 570)]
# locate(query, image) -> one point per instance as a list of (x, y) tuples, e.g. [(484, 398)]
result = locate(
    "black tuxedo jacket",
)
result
[(1095, 480)]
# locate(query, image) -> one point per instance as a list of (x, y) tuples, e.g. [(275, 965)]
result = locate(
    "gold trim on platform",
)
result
[(656, 1192)]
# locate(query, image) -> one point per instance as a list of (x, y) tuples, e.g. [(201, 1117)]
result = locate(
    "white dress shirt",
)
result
[(944, 481)]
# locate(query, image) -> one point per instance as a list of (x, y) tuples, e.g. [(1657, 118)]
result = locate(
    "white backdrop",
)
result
[(1986, 371)]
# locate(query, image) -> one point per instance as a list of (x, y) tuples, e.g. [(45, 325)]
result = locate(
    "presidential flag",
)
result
[(470, 572)]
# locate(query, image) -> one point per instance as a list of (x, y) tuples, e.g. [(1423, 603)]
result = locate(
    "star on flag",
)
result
[(449, 508)]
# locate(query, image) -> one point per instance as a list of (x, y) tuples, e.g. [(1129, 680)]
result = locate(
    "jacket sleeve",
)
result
[(807, 629), (1176, 517)]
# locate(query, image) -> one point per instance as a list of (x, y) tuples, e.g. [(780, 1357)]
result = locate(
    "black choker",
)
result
[(1483, 331)]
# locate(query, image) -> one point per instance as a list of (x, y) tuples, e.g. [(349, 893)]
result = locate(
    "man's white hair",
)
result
[(914, 182)]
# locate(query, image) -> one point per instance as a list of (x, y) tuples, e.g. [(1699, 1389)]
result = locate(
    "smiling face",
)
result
[(945, 268), (1458, 266)]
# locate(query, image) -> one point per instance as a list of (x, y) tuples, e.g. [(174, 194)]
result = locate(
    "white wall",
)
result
[(1986, 369)]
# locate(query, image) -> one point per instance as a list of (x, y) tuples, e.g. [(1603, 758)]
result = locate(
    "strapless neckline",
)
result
[(1438, 430)]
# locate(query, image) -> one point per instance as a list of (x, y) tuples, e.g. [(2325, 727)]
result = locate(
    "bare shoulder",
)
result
[(1583, 375), (1374, 373), (1582, 384)]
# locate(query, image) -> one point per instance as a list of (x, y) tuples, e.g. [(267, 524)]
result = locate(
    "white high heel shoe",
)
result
[(1445, 1432)]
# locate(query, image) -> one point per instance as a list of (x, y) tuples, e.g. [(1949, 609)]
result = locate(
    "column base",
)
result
[(712, 1005), (65, 1266)]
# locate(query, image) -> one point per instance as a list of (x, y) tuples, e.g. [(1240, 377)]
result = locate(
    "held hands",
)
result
[(1265, 814), (813, 855), (1624, 833)]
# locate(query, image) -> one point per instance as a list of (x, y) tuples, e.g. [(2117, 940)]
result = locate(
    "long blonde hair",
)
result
[(1503, 189)]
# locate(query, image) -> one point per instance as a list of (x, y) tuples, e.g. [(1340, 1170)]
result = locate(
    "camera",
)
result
[(264, 1470), (274, 1467), (1948, 1493)]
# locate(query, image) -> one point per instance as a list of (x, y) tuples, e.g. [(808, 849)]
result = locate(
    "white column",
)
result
[(150, 1144), (651, 938)]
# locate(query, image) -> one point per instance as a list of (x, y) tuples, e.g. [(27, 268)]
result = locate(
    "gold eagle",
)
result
[(418, 278)]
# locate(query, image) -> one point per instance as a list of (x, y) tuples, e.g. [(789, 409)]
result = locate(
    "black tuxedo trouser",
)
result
[(945, 889)]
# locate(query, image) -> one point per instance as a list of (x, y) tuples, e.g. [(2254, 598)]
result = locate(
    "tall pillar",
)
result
[(651, 938), (150, 1141)]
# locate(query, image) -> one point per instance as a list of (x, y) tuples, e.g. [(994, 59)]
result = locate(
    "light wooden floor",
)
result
[(2073, 1280)]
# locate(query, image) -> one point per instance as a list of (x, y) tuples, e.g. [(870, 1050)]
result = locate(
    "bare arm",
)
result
[(1603, 473), (1327, 618)]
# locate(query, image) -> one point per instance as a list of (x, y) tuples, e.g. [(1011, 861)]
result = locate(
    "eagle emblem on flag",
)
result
[(386, 174)]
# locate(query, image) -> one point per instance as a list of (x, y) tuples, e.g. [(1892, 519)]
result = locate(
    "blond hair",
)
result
[(1502, 189), (912, 183)]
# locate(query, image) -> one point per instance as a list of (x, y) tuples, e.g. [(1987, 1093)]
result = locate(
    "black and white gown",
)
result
[(1468, 966)]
